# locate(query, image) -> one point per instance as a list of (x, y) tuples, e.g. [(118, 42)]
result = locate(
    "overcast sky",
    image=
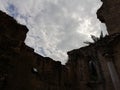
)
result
[(56, 26)]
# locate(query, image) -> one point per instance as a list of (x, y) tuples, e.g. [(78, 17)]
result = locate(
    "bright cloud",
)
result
[(56, 26)]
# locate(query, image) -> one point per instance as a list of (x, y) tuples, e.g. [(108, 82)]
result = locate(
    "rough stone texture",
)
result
[(86, 69), (109, 13)]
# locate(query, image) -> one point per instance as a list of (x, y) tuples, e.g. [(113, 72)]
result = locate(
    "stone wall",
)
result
[(86, 69), (109, 14)]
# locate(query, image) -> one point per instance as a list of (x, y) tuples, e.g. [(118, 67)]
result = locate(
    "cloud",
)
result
[(56, 26)]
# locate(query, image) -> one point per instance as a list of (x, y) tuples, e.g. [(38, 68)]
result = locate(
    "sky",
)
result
[(56, 26)]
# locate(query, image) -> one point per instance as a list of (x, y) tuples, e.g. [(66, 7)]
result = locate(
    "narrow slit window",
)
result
[(93, 70)]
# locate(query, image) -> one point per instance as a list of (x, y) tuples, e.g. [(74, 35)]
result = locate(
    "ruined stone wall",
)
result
[(109, 14), (22, 69), (17, 60)]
